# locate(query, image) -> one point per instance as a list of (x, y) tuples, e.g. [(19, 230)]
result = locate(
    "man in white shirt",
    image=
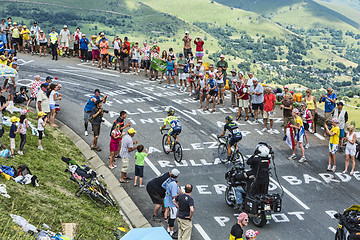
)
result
[(65, 40)]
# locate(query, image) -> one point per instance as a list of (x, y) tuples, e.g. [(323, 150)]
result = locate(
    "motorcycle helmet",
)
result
[(262, 150), (229, 118), (171, 112)]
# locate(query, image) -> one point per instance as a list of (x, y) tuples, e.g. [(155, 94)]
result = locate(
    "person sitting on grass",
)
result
[(139, 164), (12, 133), (42, 118)]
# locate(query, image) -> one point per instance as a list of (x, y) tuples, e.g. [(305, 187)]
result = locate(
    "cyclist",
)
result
[(174, 124), (235, 134)]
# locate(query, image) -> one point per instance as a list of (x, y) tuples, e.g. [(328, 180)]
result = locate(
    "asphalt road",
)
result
[(311, 193)]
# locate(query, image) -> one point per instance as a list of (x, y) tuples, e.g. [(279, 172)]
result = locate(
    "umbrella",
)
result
[(6, 71), (154, 233)]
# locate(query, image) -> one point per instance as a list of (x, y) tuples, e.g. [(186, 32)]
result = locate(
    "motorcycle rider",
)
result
[(235, 134)]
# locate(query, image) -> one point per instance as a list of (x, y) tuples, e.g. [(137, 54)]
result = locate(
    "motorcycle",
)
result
[(258, 206), (345, 227)]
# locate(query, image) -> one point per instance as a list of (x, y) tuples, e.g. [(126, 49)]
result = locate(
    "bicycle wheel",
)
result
[(164, 143), (222, 152), (177, 152), (107, 196), (238, 158), (96, 197)]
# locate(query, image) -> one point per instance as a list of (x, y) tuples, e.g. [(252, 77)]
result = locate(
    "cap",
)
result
[(181, 55), (211, 65), (211, 75), (48, 77), (125, 37), (295, 110), (37, 76), (222, 56), (24, 26), (286, 86), (340, 103), (23, 111), (136, 42), (144, 42), (14, 119), (35, 22), (14, 58), (233, 70), (93, 36), (335, 120), (97, 90), (175, 172), (83, 34), (131, 130), (201, 74), (41, 113), (199, 61), (197, 65), (251, 233), (102, 33), (65, 26), (41, 31), (14, 63), (255, 79), (242, 73), (15, 23), (242, 216), (186, 32)]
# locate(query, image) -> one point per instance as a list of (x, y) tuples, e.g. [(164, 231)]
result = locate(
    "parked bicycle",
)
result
[(236, 156), (175, 146)]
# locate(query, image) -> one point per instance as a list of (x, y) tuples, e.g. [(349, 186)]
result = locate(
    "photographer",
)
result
[(90, 105), (96, 118), (187, 43), (223, 64)]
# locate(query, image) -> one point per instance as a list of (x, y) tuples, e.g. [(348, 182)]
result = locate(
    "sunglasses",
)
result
[(246, 220)]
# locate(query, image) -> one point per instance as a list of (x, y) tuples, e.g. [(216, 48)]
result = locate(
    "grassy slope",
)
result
[(53, 201), (344, 8)]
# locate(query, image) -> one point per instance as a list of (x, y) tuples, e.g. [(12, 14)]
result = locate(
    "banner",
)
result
[(158, 65)]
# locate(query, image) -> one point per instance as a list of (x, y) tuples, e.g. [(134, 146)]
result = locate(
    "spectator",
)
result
[(21, 96), (15, 36), (172, 191), (287, 106), (342, 115), (242, 93), (53, 97), (127, 146), (251, 234), (187, 43), (199, 48), (135, 55), (299, 137), (307, 119), (170, 70), (220, 80), (117, 49), (154, 54), (311, 105), (25, 33), (120, 120), (96, 115), (9, 25), (65, 40), (350, 150), (43, 42), (257, 98), (195, 73), (329, 99), (21, 37), (232, 81), (3, 105), (23, 125), (91, 103), (212, 89), (4, 58), (42, 100), (286, 91), (269, 108), (201, 88), (146, 51), (12, 133), (172, 54), (114, 144), (84, 47), (35, 88), (42, 119), (104, 51), (12, 83), (139, 164), (223, 64), (54, 37), (124, 56), (33, 42), (249, 83), (164, 58), (3, 32), (94, 50), (334, 134), (185, 203), (236, 231), (181, 65), (76, 36), (36, 30)]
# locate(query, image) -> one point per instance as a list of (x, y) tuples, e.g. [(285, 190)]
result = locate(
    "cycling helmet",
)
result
[(262, 150), (251, 233), (229, 118), (171, 111)]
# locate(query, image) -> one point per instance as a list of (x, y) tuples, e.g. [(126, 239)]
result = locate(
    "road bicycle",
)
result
[(236, 156), (175, 146)]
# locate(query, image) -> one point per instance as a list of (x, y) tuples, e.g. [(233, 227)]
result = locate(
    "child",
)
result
[(135, 55), (139, 164), (12, 134), (41, 124), (23, 125), (299, 137), (333, 143), (350, 150), (182, 69), (306, 115), (114, 144), (251, 234)]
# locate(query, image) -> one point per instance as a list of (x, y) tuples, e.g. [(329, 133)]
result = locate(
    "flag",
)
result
[(290, 140), (158, 65)]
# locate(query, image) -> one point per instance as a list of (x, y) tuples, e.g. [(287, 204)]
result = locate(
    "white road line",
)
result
[(319, 136), (107, 123), (188, 116), (332, 229), (152, 166), (25, 62), (291, 195), (202, 231)]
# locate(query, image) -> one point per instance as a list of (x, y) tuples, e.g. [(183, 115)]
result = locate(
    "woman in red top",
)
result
[(199, 48), (114, 144), (243, 96)]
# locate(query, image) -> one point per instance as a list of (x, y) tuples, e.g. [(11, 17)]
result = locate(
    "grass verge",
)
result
[(53, 202)]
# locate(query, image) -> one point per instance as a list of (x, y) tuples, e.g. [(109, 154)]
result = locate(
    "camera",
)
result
[(105, 111)]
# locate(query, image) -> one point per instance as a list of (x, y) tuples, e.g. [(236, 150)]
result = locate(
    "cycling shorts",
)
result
[(174, 130), (234, 139)]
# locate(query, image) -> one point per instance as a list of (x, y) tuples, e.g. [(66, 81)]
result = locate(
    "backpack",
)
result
[(8, 170), (6, 153), (186, 68), (23, 170)]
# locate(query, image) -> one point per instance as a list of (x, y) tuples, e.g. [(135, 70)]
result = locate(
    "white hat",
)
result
[(65, 26), (175, 172), (186, 32)]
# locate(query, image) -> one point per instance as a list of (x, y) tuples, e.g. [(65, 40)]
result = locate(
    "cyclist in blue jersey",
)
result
[(175, 127), (212, 90), (91, 103), (235, 134)]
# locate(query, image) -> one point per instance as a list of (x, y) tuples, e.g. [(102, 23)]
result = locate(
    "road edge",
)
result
[(132, 215)]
